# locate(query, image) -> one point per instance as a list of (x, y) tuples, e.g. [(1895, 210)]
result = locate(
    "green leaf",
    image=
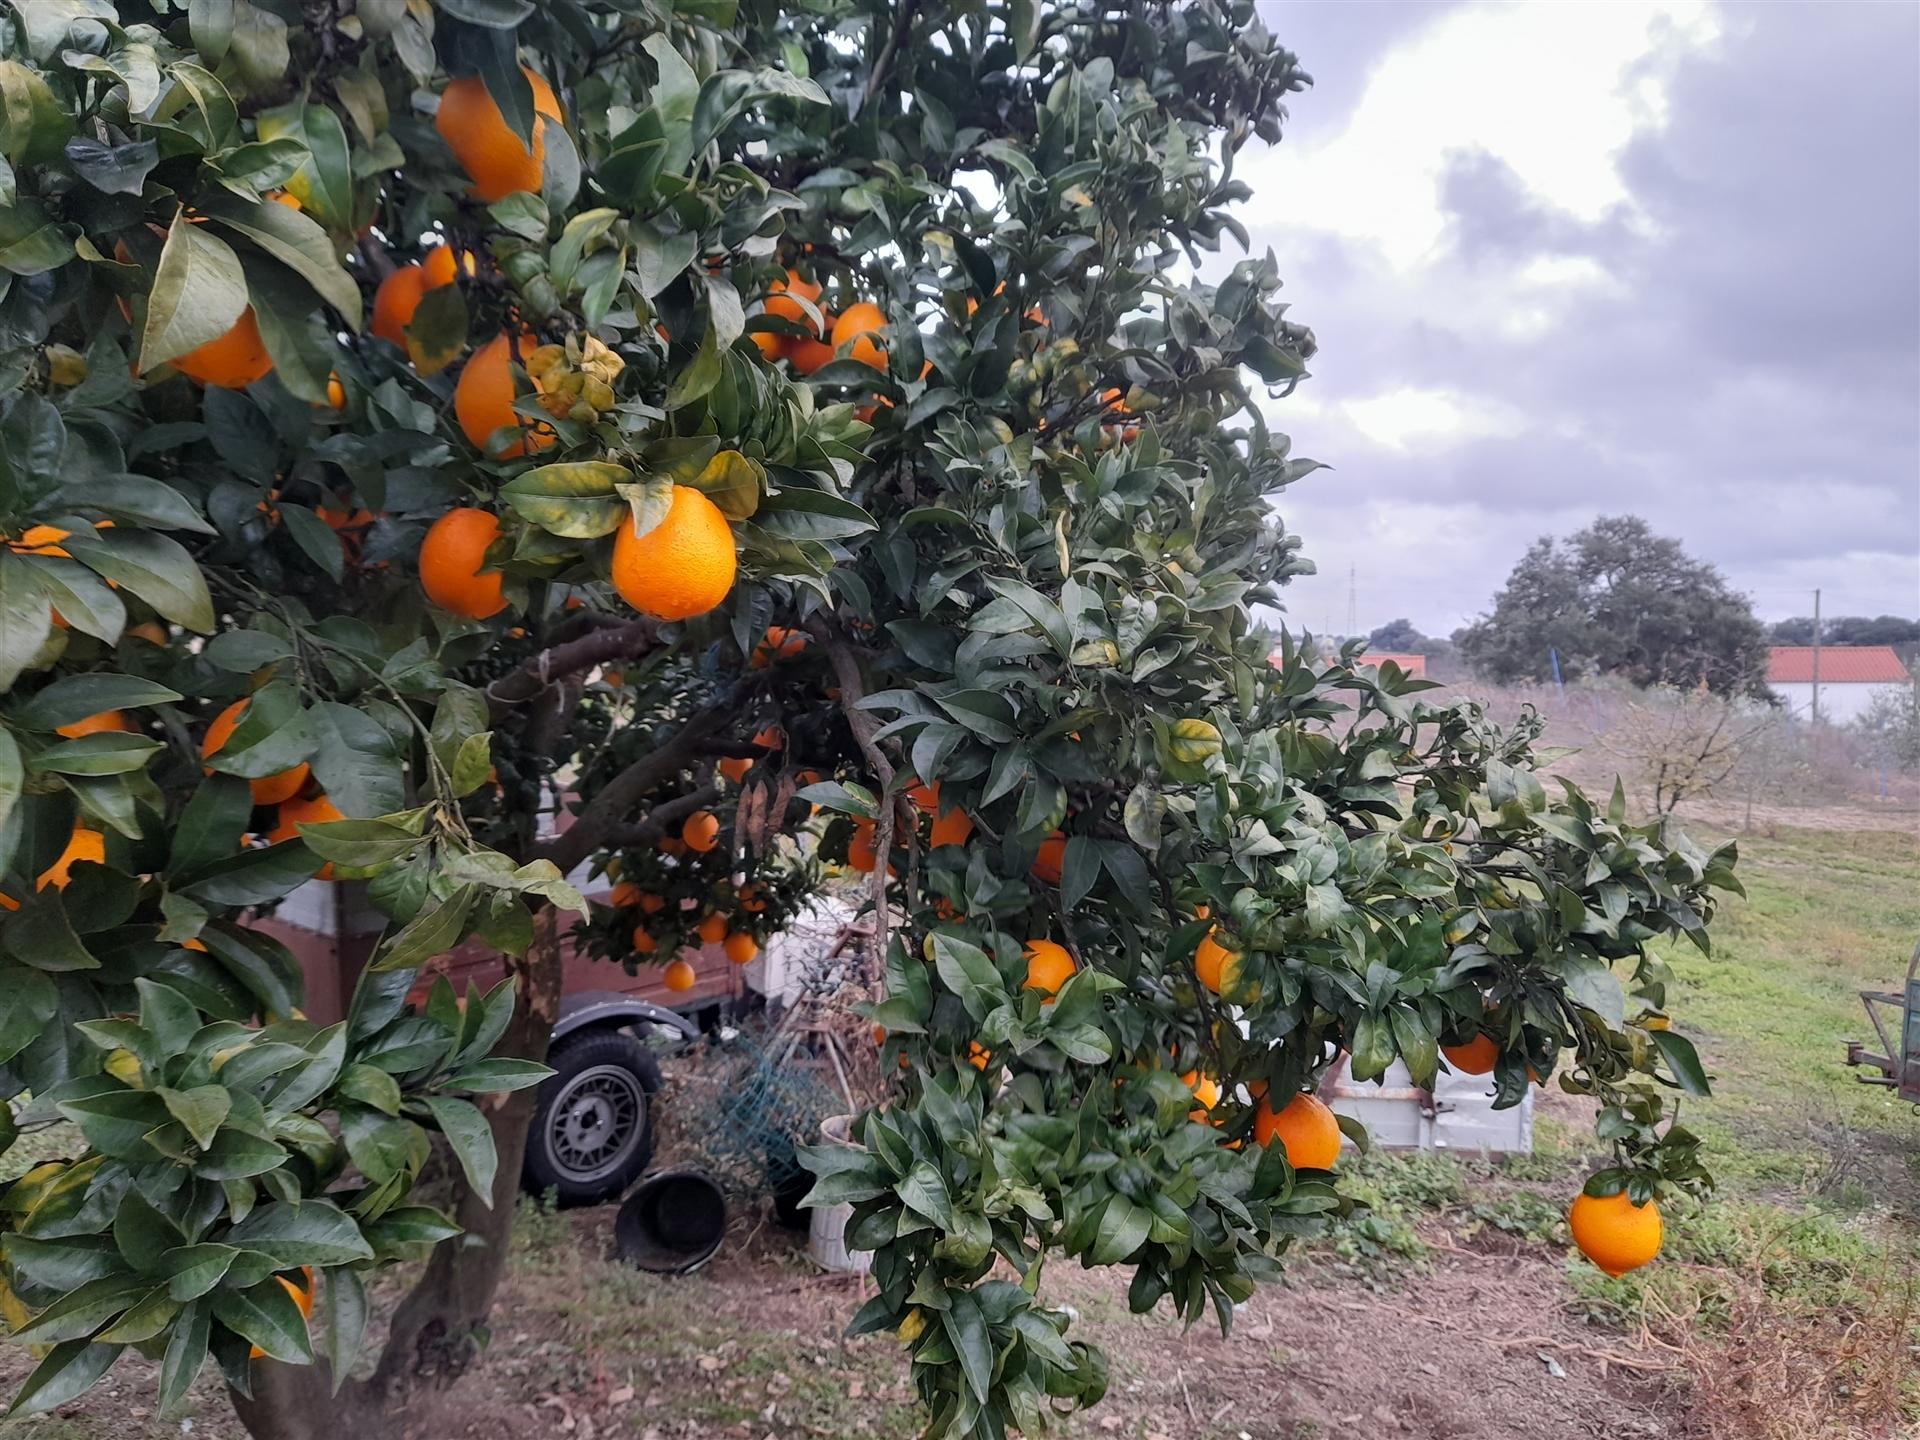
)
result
[(474, 764), (193, 1270), (1123, 1230), (372, 1087), (68, 1372), (437, 333), (211, 825), (202, 1110), (115, 169), (81, 1312), (967, 971), (1592, 983), (259, 45), (102, 753), (1683, 1060), (924, 1191), (1078, 870), (267, 1317), (363, 843), (324, 184), (972, 1343), (345, 1310), (803, 514), (40, 934), (199, 292), (28, 1001), (355, 760), (315, 538), (578, 500), (495, 1076), (185, 1355), (77, 697), (157, 569), (26, 620), (306, 1232), (470, 1136), (846, 797), (435, 930), (647, 503)]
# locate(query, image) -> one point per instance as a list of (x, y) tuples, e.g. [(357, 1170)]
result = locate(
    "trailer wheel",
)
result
[(592, 1131)]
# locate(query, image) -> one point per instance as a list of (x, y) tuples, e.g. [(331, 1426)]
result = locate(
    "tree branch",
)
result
[(621, 641), (658, 819), (620, 795), (853, 690), (883, 62)]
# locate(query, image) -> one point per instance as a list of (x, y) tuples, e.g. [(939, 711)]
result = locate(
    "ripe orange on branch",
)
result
[(680, 976), (496, 159), (400, 294), (1614, 1233), (483, 399), (231, 361), (85, 846), (1305, 1126), (1473, 1057), (702, 831), (295, 813), (451, 558), (681, 568), (268, 789), (1049, 966), (855, 330), (104, 722)]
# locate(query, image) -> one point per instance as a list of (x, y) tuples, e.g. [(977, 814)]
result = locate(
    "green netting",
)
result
[(757, 1098)]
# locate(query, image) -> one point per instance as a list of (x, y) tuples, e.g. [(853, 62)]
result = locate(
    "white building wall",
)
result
[(1840, 702)]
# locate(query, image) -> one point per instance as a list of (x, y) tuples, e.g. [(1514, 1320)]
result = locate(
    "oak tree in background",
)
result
[(1616, 599), (729, 409)]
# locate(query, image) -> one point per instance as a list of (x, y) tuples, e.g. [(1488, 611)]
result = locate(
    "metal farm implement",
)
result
[(1896, 1020)]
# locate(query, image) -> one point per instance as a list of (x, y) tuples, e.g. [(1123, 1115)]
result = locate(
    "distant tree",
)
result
[(1401, 636), (1616, 599), (1848, 630), (1891, 723)]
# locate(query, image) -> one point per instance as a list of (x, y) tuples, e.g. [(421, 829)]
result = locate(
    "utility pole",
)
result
[(1353, 600), (1816, 658)]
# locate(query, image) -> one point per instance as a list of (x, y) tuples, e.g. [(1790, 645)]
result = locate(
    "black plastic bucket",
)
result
[(672, 1223)]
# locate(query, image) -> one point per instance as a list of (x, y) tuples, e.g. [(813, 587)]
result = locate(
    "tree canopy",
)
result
[(1848, 630), (425, 417), (1616, 599)]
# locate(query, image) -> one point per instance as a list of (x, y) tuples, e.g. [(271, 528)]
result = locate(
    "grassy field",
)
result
[(1788, 1309)]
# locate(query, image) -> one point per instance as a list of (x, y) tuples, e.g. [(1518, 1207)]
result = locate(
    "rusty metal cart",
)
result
[(1896, 1020)]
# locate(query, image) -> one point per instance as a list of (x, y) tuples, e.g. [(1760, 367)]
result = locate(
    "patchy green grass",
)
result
[(1827, 915), (1794, 1294)]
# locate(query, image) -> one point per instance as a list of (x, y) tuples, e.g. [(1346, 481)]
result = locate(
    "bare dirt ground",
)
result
[(1481, 1344)]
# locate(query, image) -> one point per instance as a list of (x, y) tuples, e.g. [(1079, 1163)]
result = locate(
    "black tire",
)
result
[(592, 1132)]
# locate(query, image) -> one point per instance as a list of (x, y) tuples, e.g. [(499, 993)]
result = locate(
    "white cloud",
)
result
[(1554, 91), (1399, 418)]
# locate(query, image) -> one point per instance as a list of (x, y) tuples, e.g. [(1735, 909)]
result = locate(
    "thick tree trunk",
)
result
[(438, 1328), (295, 1402)]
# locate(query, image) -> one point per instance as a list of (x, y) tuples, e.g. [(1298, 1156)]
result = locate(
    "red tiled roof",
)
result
[(1839, 665), (1412, 665)]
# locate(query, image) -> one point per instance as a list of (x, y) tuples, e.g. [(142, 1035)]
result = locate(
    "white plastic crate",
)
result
[(1457, 1114)]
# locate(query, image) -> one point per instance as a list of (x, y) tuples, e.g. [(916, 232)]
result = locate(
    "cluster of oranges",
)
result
[(284, 789), (714, 928), (854, 334)]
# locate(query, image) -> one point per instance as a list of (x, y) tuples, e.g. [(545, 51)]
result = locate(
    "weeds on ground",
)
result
[(1791, 1325)]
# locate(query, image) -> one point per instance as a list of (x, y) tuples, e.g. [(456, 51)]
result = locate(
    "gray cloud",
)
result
[(1746, 375)]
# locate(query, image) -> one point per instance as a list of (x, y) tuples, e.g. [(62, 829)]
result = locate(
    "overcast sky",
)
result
[(1574, 259)]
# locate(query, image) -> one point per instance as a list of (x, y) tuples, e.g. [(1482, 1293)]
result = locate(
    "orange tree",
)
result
[(423, 417)]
